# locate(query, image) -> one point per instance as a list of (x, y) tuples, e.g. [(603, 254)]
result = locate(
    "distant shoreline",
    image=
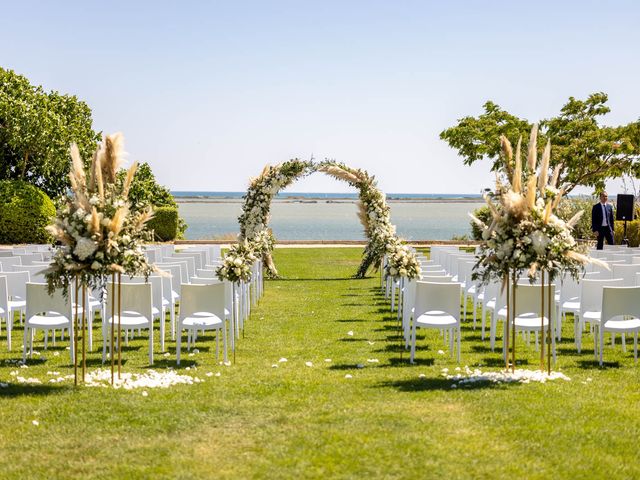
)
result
[(330, 200)]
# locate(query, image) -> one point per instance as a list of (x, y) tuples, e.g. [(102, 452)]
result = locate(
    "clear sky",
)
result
[(208, 92)]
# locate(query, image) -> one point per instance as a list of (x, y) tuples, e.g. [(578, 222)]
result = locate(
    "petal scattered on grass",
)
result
[(328, 360), (282, 360), (275, 365), (309, 364), (35, 422), (373, 360), (350, 333), (144, 393), (348, 375), (440, 352)]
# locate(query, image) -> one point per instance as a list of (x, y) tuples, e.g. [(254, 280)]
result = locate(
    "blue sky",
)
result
[(208, 92)]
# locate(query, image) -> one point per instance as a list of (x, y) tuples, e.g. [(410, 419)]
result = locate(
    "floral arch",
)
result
[(256, 239)]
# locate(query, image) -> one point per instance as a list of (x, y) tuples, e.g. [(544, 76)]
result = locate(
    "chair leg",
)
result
[(104, 341), (413, 343), (459, 334), (600, 331), (224, 342), (178, 343), (151, 342), (24, 344)]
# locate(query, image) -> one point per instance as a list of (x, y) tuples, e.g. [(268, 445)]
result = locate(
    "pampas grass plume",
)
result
[(532, 157)]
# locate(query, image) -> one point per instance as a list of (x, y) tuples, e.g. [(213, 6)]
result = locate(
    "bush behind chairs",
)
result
[(25, 211)]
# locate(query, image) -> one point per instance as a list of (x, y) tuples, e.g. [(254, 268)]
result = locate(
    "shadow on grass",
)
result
[(436, 383), (591, 364), (317, 279), (352, 320), (20, 389)]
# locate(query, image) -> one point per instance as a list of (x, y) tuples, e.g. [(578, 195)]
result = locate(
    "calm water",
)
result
[(330, 221)]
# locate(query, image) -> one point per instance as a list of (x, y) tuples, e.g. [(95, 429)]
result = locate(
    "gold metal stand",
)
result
[(507, 323), (545, 336), (513, 330), (79, 325)]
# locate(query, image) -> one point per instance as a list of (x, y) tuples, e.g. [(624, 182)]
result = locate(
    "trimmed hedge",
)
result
[(164, 224), (633, 233), (25, 211)]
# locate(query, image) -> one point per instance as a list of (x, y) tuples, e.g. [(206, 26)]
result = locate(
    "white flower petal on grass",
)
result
[(35, 422), (309, 364), (56, 354), (348, 376), (422, 375), (227, 363), (328, 360), (282, 360), (370, 342), (217, 374), (519, 376), (440, 352), (589, 379), (166, 354), (373, 360), (350, 333), (209, 374), (195, 350), (275, 365), (144, 393)]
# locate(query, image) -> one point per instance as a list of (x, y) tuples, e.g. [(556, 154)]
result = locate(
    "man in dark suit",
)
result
[(602, 221)]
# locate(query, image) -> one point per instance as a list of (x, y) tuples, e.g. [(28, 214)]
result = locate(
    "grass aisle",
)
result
[(299, 421)]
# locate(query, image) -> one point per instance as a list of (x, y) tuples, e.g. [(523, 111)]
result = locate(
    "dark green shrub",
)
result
[(633, 233), (483, 213), (164, 224), (25, 211)]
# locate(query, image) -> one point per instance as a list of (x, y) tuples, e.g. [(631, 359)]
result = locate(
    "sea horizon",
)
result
[(197, 194)]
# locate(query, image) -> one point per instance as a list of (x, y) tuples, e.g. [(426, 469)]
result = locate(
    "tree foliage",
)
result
[(145, 191), (36, 129), (589, 152)]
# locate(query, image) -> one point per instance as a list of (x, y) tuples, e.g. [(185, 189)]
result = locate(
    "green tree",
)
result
[(590, 153), (36, 129), (145, 191)]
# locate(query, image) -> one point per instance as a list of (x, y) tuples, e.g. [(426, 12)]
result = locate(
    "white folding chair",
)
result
[(437, 305), (46, 312), (620, 314), (202, 308), (17, 290), (527, 315), (591, 305)]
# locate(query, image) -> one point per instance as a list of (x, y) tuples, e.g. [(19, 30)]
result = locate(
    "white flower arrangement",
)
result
[(401, 262), (97, 232), (524, 234), (237, 264)]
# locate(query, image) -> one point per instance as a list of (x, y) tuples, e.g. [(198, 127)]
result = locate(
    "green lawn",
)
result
[(295, 421)]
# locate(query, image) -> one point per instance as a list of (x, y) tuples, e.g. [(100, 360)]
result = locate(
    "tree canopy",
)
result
[(36, 129), (590, 153)]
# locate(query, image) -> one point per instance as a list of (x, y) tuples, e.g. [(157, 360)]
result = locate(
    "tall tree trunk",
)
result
[(24, 164)]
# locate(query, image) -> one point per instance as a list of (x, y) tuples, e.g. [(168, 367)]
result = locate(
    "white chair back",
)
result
[(135, 297), (436, 296), (203, 299), (17, 284), (39, 301), (28, 258), (627, 272), (7, 263), (591, 293)]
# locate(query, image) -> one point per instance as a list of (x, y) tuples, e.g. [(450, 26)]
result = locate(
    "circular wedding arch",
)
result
[(373, 210)]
